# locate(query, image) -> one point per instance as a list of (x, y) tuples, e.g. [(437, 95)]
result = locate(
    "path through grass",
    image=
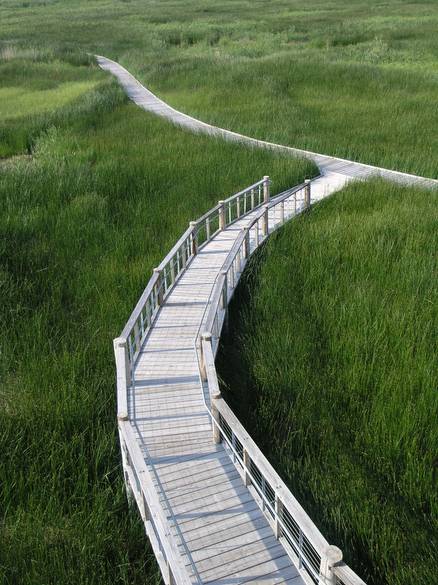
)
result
[(357, 79)]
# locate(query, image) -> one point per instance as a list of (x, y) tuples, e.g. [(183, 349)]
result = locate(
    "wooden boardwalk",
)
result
[(219, 528), (145, 99), (213, 507)]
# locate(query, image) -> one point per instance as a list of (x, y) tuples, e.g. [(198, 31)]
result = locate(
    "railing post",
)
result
[(221, 215), (266, 195), (282, 212), (193, 246), (225, 298), (160, 291), (247, 244), (172, 271), (123, 371), (330, 557), (169, 579), (265, 223), (307, 194), (224, 273), (215, 395), (246, 463), (206, 336), (125, 465), (147, 513), (215, 415), (137, 335), (278, 512)]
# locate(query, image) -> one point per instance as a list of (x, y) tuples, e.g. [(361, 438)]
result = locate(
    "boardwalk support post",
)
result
[(278, 514), (266, 195), (246, 249), (123, 376), (160, 284), (265, 222), (221, 215), (331, 556), (307, 194), (193, 244)]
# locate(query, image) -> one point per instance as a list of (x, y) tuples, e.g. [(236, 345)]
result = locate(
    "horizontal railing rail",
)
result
[(127, 347), (140, 485)]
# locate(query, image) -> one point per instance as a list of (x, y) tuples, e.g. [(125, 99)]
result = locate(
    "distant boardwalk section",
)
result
[(145, 99), (213, 507)]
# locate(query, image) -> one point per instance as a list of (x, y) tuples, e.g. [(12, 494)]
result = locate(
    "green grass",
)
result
[(347, 110), (86, 216), (82, 224), (334, 373), (353, 79)]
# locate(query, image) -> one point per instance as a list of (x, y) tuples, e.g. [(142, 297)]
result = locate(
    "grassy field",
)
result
[(334, 373), (85, 216), (353, 79), (83, 222)]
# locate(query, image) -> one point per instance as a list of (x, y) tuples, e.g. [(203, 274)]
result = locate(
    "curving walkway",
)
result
[(145, 99), (213, 507), (221, 532)]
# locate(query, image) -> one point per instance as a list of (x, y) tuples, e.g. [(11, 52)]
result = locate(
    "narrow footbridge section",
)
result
[(213, 507), (148, 101)]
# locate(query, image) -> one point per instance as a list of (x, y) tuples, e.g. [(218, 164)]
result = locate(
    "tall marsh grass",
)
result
[(356, 80)]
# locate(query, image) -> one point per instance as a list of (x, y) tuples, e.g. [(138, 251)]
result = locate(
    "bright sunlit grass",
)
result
[(16, 102)]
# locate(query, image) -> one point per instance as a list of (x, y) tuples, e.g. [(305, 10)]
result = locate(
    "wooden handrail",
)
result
[(325, 564), (315, 555), (155, 510)]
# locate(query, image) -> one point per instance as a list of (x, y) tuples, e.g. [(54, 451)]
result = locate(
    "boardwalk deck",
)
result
[(214, 519)]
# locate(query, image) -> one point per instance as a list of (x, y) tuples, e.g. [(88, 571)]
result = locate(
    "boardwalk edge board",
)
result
[(303, 554)]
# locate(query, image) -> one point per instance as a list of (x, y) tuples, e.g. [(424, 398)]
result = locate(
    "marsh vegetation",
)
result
[(85, 216)]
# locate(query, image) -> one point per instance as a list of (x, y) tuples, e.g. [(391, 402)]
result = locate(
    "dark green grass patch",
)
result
[(331, 365), (81, 227)]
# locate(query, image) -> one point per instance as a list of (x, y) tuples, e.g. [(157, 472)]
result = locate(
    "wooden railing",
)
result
[(319, 562), (139, 483), (164, 277), (139, 480)]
